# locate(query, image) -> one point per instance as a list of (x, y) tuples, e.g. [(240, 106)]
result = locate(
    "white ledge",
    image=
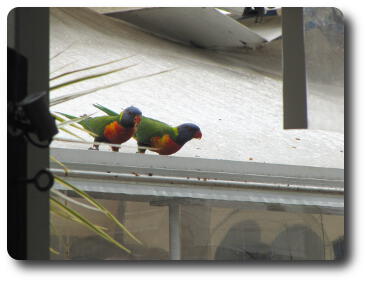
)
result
[(269, 186)]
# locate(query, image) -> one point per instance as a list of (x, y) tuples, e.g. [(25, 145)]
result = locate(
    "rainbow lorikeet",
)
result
[(115, 129), (160, 137)]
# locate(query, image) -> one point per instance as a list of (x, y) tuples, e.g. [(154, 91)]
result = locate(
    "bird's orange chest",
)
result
[(164, 145), (115, 133)]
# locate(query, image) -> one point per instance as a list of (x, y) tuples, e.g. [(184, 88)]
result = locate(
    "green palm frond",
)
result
[(62, 120), (62, 67), (71, 200), (87, 223), (67, 97), (98, 205), (66, 170), (62, 51), (53, 251), (89, 68), (89, 77), (73, 134)]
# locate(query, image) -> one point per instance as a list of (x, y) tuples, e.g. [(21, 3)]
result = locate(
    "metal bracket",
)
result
[(38, 180)]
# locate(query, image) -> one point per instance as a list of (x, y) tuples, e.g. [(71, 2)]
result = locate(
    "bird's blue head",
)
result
[(187, 132), (130, 117)]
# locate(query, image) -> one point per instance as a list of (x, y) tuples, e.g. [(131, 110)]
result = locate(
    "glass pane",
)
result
[(324, 47), (148, 223), (208, 232)]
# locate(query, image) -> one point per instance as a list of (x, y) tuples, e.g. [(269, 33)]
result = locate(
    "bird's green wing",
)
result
[(105, 110), (98, 124), (149, 128)]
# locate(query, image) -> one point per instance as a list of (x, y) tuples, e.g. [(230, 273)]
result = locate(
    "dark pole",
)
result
[(294, 69), (28, 207)]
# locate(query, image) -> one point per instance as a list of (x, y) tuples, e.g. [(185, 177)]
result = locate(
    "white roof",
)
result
[(235, 97)]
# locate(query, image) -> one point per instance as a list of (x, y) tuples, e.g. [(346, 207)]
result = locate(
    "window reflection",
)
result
[(208, 232)]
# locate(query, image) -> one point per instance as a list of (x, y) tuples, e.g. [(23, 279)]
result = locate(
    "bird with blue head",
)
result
[(160, 137), (115, 129)]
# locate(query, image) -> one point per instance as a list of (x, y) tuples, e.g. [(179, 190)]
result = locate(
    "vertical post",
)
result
[(16, 157), (28, 207), (175, 231), (294, 69), (195, 238)]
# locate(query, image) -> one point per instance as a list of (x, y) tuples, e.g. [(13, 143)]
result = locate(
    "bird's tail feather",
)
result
[(105, 110), (67, 115), (71, 117)]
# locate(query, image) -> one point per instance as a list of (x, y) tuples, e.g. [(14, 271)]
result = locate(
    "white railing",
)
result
[(293, 187)]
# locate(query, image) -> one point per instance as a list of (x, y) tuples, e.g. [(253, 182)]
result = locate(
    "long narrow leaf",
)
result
[(103, 143), (53, 251), (55, 210), (62, 51), (68, 97), (72, 121), (89, 68), (98, 205), (78, 203), (73, 134), (57, 117), (70, 214), (66, 170), (74, 81), (60, 119), (61, 214), (88, 224), (62, 67), (76, 120)]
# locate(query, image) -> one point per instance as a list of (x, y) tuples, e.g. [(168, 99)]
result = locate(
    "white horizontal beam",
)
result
[(168, 192), (121, 174), (209, 169)]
